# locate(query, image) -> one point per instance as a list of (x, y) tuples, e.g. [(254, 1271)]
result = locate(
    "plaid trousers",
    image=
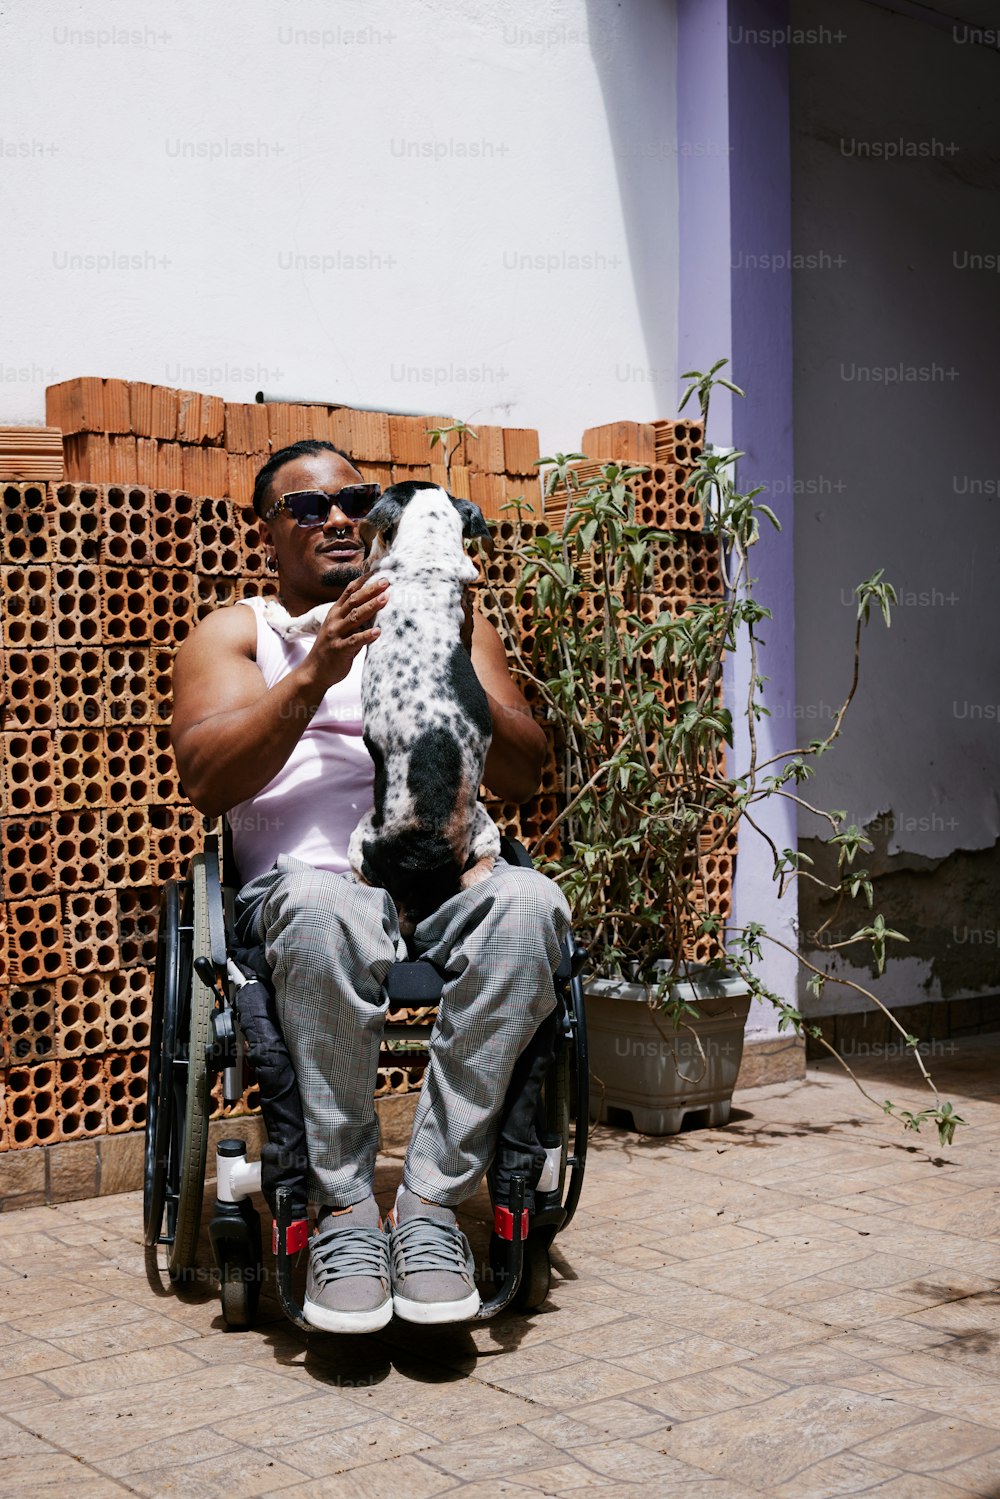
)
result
[(330, 943)]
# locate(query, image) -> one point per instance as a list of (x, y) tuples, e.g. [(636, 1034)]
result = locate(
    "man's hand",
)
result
[(348, 627)]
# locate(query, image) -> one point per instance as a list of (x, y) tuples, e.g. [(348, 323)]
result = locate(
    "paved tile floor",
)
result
[(805, 1304)]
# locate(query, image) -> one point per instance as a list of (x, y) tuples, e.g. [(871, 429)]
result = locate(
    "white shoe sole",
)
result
[(370, 1320), (433, 1312)]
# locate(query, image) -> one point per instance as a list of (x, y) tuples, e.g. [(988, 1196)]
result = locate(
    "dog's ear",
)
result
[(383, 518), (473, 524)]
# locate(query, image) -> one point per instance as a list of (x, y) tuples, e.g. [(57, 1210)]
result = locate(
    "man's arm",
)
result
[(513, 768), (231, 733)]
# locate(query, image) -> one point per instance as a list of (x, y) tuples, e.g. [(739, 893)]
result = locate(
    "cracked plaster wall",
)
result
[(903, 474)]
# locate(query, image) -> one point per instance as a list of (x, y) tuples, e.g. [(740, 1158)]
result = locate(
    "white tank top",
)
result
[(311, 807)]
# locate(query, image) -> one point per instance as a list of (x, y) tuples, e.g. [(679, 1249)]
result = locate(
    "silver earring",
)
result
[(270, 564)]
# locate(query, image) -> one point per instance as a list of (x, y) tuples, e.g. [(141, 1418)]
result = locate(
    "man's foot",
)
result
[(348, 1287), (433, 1272)]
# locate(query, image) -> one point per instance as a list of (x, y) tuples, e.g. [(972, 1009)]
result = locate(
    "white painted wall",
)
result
[(901, 471), (464, 208)]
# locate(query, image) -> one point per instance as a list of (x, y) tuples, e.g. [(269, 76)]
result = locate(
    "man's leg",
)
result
[(329, 944), (500, 945)]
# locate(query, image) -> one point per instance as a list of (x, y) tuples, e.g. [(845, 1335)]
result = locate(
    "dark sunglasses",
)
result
[(311, 507)]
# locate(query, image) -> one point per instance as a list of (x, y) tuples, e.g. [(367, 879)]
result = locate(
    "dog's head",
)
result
[(422, 517)]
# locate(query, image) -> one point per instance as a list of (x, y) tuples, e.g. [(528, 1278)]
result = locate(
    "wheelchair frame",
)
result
[(195, 1033)]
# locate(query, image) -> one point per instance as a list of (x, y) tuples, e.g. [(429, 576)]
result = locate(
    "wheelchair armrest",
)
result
[(413, 982)]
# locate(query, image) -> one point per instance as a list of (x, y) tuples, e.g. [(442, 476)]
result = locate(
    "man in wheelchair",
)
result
[(268, 731)]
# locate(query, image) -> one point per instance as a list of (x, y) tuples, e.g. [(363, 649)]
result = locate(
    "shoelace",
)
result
[(350, 1251), (422, 1244)]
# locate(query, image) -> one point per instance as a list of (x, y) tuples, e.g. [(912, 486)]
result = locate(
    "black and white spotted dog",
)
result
[(427, 723)]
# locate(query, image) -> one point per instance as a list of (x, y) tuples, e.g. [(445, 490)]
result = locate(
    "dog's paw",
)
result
[(293, 627), (485, 838)]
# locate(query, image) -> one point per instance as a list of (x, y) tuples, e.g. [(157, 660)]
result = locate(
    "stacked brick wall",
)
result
[(103, 577)]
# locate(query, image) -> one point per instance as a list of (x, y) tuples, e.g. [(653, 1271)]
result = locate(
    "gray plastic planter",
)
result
[(657, 1073)]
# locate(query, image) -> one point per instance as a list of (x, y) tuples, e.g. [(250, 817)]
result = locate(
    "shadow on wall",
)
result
[(634, 49)]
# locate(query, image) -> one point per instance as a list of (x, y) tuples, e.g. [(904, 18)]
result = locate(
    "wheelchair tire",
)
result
[(162, 1050), (239, 1303), (193, 1142)]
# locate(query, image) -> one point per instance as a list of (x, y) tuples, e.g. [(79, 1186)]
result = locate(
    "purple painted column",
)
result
[(734, 221)]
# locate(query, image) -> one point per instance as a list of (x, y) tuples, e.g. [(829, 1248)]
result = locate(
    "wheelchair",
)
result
[(211, 1014)]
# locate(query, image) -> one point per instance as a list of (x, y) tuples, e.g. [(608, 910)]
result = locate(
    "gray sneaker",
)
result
[(348, 1287), (433, 1271)]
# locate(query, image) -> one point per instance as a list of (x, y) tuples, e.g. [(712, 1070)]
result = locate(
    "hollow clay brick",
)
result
[(125, 604), (123, 468), (29, 678), (127, 687), (125, 1090), (80, 1014), (80, 769), (88, 458), (26, 859), (126, 525), (27, 1023), (128, 1007), (80, 1098), (138, 918), (175, 836), (76, 523), (25, 606), (140, 408), (169, 466), (77, 604), (29, 779), (79, 686), (127, 765), (520, 449), (165, 786), (31, 1105), (127, 846), (35, 940), (217, 543), (78, 854), (174, 517), (91, 930), (172, 606), (26, 523)]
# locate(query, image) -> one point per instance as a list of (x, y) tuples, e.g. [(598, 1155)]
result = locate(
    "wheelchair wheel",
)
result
[(178, 1102), (239, 1298), (193, 1110), (162, 1050)]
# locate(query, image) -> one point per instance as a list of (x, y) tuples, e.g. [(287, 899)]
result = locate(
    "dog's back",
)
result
[(427, 720)]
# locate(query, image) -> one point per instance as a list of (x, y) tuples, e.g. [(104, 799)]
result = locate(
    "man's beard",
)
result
[(339, 577)]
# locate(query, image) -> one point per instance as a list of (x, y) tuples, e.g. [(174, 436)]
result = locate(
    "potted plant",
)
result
[(625, 664)]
